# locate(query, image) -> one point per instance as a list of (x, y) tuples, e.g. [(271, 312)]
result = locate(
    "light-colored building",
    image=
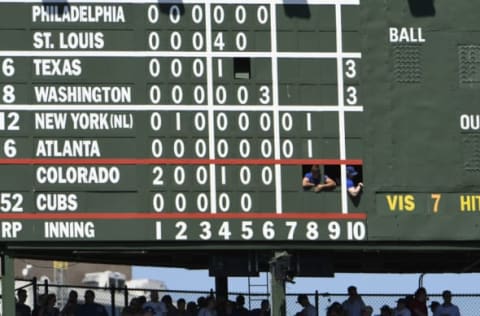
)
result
[(72, 273)]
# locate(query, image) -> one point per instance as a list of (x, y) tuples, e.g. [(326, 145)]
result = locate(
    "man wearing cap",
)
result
[(353, 190), (402, 309), (308, 309), (447, 308), (313, 180)]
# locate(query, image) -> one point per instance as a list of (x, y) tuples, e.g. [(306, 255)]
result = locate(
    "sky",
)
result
[(182, 279)]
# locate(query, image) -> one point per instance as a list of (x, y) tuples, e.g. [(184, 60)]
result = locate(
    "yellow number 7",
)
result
[(436, 197)]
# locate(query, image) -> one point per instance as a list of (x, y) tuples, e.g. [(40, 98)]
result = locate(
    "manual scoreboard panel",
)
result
[(197, 120)]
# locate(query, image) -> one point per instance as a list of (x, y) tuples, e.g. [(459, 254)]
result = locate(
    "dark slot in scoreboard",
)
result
[(197, 120)]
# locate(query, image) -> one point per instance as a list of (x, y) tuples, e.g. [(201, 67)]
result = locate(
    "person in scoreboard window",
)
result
[(353, 190), (314, 180)]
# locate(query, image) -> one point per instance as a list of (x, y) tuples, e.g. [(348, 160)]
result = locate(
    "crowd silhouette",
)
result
[(354, 305)]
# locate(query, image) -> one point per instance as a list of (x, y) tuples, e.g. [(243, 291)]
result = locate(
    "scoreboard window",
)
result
[(241, 67), (297, 11), (422, 8), (334, 172)]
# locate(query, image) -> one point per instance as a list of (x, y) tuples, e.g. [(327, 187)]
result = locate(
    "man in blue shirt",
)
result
[(314, 180), (353, 190)]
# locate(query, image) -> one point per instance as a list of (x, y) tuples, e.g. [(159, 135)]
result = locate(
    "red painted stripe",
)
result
[(185, 216), (174, 161)]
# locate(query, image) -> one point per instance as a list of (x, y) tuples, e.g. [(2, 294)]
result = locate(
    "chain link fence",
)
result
[(115, 299), (468, 303)]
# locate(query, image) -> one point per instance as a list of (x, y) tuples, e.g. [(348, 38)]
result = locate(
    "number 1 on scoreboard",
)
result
[(158, 230)]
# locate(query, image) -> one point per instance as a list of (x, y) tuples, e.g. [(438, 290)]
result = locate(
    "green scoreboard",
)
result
[(196, 120)]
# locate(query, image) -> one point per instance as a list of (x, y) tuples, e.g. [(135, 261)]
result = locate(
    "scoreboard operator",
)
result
[(353, 189), (313, 179)]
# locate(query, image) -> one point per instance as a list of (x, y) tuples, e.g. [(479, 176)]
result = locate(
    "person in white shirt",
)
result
[(308, 309), (447, 308), (159, 308), (402, 309), (354, 304)]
